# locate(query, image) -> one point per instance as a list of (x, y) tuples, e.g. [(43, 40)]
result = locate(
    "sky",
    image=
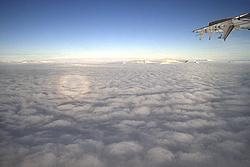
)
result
[(113, 29)]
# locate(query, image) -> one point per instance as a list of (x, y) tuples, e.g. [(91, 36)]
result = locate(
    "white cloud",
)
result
[(86, 161), (159, 155), (131, 115), (58, 123), (142, 111), (44, 160), (124, 148), (194, 157)]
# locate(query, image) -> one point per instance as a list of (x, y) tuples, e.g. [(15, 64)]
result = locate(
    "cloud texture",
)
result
[(130, 115)]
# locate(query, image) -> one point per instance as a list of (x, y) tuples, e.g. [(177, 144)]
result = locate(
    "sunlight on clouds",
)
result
[(74, 86)]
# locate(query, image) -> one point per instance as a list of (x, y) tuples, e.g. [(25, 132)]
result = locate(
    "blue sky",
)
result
[(116, 29)]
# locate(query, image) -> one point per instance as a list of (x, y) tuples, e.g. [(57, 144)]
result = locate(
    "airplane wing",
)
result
[(223, 26)]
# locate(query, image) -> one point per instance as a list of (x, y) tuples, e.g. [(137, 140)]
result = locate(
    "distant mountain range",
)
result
[(80, 61), (163, 61)]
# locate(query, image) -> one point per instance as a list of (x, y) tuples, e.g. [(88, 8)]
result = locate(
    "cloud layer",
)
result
[(130, 115)]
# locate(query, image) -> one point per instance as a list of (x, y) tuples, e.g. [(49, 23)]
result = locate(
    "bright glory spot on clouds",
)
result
[(73, 86)]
